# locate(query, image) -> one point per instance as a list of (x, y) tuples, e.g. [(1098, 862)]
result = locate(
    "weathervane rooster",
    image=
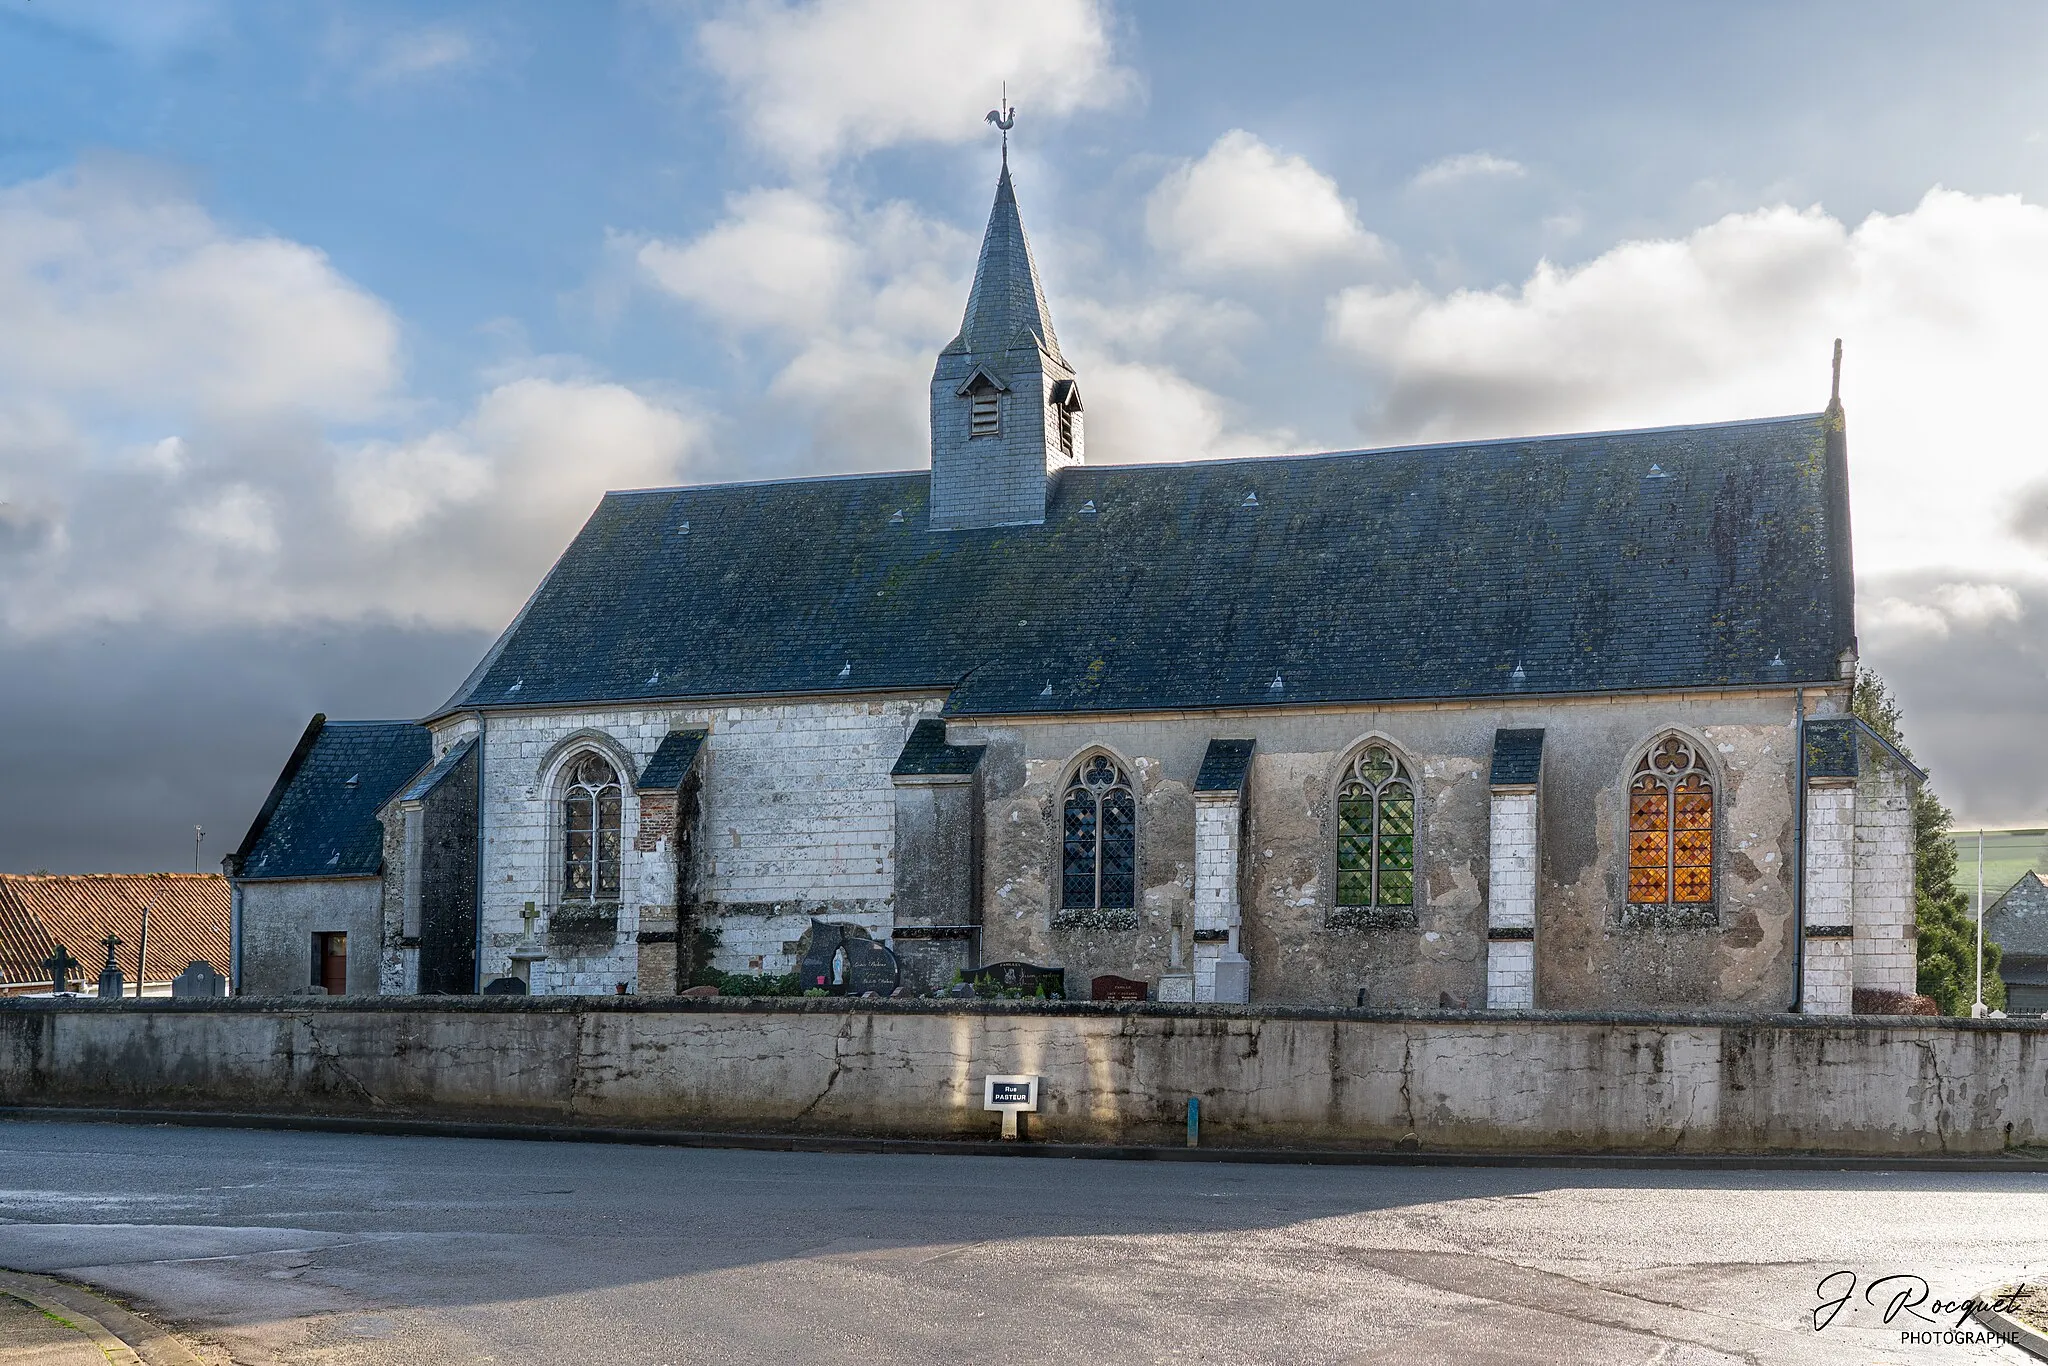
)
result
[(1005, 118)]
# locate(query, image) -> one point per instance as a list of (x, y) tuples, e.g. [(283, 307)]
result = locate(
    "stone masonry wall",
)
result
[(1452, 1080), (1887, 933), (1584, 956), (797, 821), (1511, 902)]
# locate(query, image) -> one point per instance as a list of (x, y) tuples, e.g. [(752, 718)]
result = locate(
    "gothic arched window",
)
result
[(590, 830), (1671, 829), (1376, 832), (1099, 844)]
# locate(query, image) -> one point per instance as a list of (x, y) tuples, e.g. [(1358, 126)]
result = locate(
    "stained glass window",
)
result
[(1671, 828), (590, 831), (1376, 832), (1099, 839)]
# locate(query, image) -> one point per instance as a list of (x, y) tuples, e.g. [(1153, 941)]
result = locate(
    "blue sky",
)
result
[(329, 321)]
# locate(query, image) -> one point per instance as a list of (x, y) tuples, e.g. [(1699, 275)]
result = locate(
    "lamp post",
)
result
[(1979, 1009)]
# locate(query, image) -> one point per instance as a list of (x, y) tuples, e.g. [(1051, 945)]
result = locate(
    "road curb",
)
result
[(137, 1341), (2025, 1336), (824, 1143)]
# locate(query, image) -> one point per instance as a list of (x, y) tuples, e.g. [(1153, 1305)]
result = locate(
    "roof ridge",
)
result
[(1208, 461)]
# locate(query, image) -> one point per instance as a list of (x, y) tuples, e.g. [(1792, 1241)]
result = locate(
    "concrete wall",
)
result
[(279, 920), (1583, 958), (1701, 1084)]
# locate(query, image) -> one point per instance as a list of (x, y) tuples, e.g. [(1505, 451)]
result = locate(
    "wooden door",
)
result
[(333, 951)]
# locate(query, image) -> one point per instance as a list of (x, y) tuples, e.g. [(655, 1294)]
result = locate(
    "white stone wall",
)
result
[(1511, 974), (1218, 821), (1882, 880), (1830, 977), (1511, 901), (1831, 855), (798, 818)]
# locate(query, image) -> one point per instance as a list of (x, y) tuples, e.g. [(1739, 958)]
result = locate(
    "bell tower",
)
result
[(1006, 413)]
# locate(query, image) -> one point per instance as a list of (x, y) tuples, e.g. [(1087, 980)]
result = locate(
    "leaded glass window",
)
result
[(1099, 840), (1376, 832), (590, 831), (1671, 829)]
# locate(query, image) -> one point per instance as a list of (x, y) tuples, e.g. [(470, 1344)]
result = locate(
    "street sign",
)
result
[(1013, 1096)]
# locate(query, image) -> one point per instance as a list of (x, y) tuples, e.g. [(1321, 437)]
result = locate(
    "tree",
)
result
[(1948, 928)]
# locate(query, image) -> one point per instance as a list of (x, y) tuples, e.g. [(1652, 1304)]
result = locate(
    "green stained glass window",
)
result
[(1376, 832)]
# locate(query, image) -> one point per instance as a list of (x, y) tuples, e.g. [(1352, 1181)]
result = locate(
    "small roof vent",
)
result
[(1046, 691), (1278, 684), (354, 780), (652, 679), (1088, 508), (1251, 500), (896, 518), (1656, 472), (846, 669)]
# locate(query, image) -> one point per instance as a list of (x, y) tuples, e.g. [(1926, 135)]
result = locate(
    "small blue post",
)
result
[(1194, 1122)]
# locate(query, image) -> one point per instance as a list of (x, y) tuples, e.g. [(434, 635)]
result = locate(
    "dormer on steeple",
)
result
[(1006, 413)]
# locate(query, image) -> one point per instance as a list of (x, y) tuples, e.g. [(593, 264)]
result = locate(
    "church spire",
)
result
[(1007, 301), (1006, 413)]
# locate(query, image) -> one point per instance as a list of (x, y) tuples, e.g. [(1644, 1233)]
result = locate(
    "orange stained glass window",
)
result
[(1671, 828)]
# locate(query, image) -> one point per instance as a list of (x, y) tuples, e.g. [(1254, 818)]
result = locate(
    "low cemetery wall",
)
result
[(1110, 1073)]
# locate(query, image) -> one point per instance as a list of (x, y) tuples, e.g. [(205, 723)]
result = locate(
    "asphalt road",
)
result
[(350, 1249)]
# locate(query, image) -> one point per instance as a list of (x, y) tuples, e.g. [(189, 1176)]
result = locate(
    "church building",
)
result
[(1546, 723)]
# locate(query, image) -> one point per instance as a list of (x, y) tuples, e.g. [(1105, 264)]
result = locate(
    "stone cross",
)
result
[(529, 915), (61, 965), (111, 983)]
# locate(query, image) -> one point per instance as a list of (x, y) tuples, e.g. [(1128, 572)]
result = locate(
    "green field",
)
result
[(2008, 854)]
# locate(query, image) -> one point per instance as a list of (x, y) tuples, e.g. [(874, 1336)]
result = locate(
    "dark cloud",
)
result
[(119, 740), (1973, 709)]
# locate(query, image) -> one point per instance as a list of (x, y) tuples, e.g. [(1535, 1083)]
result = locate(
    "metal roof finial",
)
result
[(1835, 393), (1005, 118)]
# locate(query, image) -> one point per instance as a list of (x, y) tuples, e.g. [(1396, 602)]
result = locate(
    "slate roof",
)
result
[(418, 789), (671, 761), (1006, 307), (1224, 766), (188, 921), (926, 754), (321, 819), (2018, 921), (1710, 556), (1831, 748), (1517, 758)]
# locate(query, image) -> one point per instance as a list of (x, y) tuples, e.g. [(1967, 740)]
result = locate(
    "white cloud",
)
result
[(780, 259), (131, 311), (1467, 166), (1941, 609), (829, 78), (1152, 413), (1940, 308), (117, 289), (411, 53), (1246, 207), (857, 303)]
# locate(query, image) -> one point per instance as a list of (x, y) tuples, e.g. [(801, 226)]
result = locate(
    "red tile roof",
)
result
[(188, 920)]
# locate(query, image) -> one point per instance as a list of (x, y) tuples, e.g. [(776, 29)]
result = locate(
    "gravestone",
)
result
[(199, 980), (870, 967), (111, 982), (60, 965), (504, 986), (1112, 988), (1177, 987), (1028, 978)]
